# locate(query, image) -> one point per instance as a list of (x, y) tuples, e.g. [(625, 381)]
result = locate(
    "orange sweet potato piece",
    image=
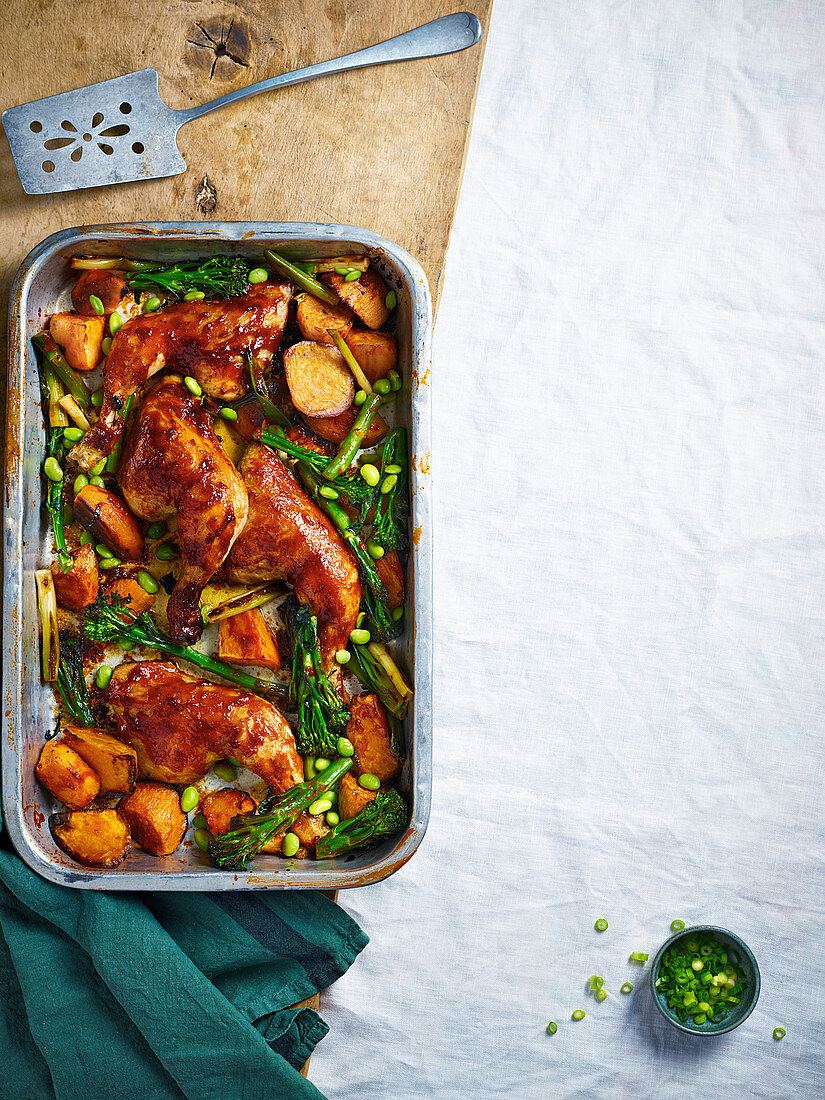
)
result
[(97, 838), (221, 806), (335, 428), (156, 821), (320, 382), (376, 352), (314, 317), (370, 735), (389, 570), (124, 582), (352, 798), (67, 775), (309, 829), (365, 296), (80, 338), (110, 521), (114, 762), (246, 639), (109, 286), (77, 588)]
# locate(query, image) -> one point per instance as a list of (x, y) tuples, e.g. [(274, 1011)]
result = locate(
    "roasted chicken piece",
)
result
[(181, 725), (287, 537), (203, 339), (173, 464)]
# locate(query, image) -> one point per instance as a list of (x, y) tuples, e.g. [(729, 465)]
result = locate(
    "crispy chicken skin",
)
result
[(203, 339), (288, 538), (173, 464), (181, 725)]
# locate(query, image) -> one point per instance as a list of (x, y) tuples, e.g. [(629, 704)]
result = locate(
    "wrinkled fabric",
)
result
[(628, 457)]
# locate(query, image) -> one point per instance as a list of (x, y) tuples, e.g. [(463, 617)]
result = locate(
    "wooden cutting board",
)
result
[(382, 148)]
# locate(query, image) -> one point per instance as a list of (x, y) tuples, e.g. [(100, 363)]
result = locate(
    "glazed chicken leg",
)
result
[(287, 537), (203, 339), (180, 726), (173, 464)]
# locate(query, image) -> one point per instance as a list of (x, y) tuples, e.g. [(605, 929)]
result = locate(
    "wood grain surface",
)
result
[(381, 148)]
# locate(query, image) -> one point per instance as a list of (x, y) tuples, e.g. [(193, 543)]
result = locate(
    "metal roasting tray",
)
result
[(29, 705)]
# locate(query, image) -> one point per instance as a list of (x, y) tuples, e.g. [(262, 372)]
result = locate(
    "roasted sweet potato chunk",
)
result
[(77, 588), (389, 570), (309, 829), (114, 762), (335, 428), (125, 583), (109, 286), (352, 798), (370, 734), (80, 338), (320, 382), (376, 352), (314, 317), (156, 821), (365, 296), (97, 838), (221, 806), (246, 639), (110, 521), (67, 775)]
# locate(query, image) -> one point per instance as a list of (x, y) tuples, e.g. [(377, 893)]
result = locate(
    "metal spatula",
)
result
[(121, 130)]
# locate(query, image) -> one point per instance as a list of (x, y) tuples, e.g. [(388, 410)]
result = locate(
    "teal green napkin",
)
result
[(155, 996)]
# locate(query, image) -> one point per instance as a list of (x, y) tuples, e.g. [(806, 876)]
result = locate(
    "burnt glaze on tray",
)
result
[(29, 705)]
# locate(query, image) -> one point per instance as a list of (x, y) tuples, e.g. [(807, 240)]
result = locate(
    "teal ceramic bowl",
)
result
[(745, 963)]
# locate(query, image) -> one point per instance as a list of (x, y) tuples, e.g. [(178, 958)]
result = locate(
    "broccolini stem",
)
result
[(351, 444)]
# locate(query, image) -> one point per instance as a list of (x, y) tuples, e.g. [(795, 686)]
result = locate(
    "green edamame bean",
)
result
[(321, 763), (369, 781), (389, 483), (397, 614), (74, 435), (193, 386), (383, 386), (395, 380), (328, 493), (200, 822), (290, 845), (126, 645), (319, 806), (332, 818), (166, 551), (359, 637), (189, 799), (258, 275), (108, 563), (103, 550), (352, 275), (202, 838), (52, 469), (362, 618), (393, 468), (155, 530), (97, 398), (360, 397), (98, 481), (194, 296), (147, 582), (80, 482), (224, 771), (104, 675), (371, 474), (96, 305), (343, 270), (235, 763), (98, 467), (228, 414), (342, 657), (375, 551), (391, 300), (152, 304), (345, 747), (106, 345), (86, 539), (115, 323)]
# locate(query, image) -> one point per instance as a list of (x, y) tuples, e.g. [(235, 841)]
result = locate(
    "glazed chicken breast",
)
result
[(287, 537), (181, 725), (173, 465), (203, 339)]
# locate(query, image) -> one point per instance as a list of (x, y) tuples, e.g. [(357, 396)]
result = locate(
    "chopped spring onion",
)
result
[(601, 925), (627, 987), (579, 1014), (50, 641), (601, 994), (553, 1027), (677, 925), (596, 982), (639, 956), (779, 1033)]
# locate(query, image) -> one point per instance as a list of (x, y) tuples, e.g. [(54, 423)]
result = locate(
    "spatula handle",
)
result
[(446, 35)]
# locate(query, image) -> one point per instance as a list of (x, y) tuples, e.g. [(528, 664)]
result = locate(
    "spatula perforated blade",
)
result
[(120, 130)]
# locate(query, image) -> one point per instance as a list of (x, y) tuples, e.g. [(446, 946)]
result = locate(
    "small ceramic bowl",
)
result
[(746, 964)]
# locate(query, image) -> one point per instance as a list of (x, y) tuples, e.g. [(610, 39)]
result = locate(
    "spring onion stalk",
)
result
[(72, 682), (350, 360), (67, 375), (352, 263), (224, 601), (250, 833), (256, 375), (72, 409), (351, 444), (56, 449), (110, 620), (322, 716), (49, 635), (384, 627), (302, 279), (111, 263), (219, 276), (375, 668), (384, 815)]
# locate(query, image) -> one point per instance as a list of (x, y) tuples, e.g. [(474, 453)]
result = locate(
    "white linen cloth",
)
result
[(629, 446)]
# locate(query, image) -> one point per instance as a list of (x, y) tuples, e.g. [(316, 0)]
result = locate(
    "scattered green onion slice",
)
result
[(579, 1014), (552, 1027), (627, 987), (601, 994), (596, 982), (779, 1033), (601, 925), (639, 956), (677, 925)]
